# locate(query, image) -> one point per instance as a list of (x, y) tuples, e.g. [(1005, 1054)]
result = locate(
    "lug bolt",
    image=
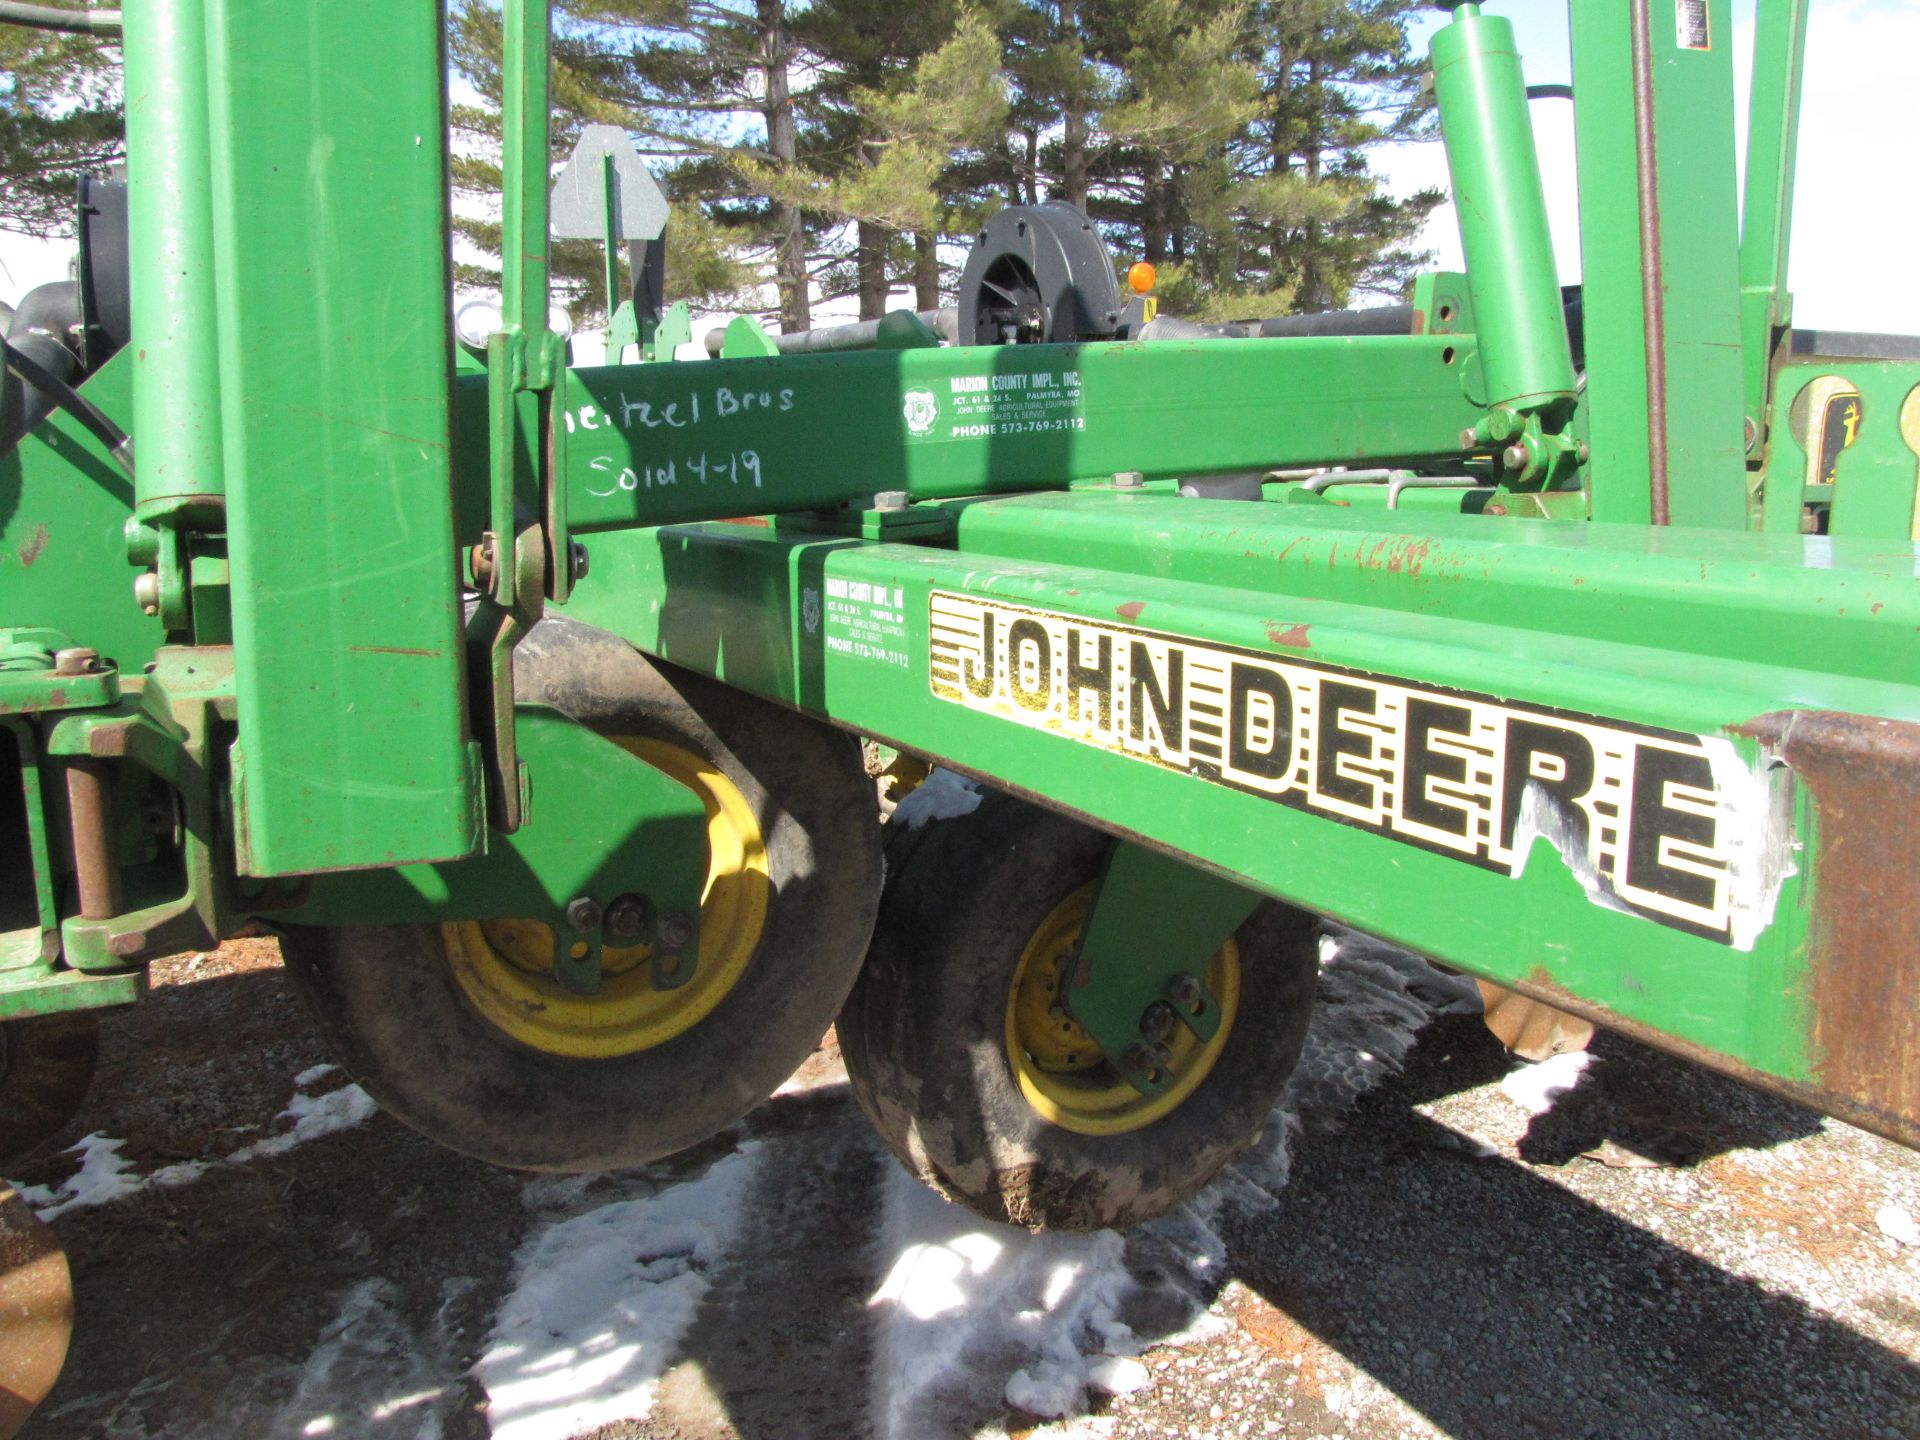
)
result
[(1157, 1020), (75, 660), (675, 931), (583, 913), (627, 917)]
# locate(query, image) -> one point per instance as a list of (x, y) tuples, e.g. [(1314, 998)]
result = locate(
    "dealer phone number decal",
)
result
[(1635, 812)]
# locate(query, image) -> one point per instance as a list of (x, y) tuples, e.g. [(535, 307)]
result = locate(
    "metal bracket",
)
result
[(1155, 924)]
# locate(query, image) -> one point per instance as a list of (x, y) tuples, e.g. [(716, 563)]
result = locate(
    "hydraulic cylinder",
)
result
[(1502, 210), (172, 281)]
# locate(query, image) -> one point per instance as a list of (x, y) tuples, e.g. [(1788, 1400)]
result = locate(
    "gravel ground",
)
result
[(1660, 1253)]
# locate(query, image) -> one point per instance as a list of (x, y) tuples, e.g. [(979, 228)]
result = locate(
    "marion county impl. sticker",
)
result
[(1666, 825), (920, 410)]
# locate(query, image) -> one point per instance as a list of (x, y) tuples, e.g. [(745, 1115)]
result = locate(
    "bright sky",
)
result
[(1856, 206)]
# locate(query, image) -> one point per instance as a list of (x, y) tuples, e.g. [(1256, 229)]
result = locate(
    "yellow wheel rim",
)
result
[(505, 967), (1062, 1072)]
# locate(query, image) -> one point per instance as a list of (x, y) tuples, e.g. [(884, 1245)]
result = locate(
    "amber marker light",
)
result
[(1140, 277)]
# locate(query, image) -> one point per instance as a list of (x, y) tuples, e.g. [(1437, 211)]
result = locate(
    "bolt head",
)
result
[(146, 593), (1157, 1021), (890, 500), (627, 917), (1514, 457), (1128, 480), (1185, 989), (577, 557), (1468, 439), (676, 931), (75, 660), (583, 913), (1139, 1056)]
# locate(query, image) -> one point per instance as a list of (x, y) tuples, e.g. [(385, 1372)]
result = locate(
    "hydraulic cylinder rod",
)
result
[(1503, 212), (172, 281)]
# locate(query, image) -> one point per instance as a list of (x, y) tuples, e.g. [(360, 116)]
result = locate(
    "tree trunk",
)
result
[(790, 236), (870, 265), (1153, 215), (1073, 149), (926, 270)]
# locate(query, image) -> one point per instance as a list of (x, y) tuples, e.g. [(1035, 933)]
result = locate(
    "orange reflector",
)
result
[(1140, 277)]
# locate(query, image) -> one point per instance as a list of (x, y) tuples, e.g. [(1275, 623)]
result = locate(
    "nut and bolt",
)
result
[(890, 500), (1128, 479), (577, 557), (480, 563), (146, 593), (75, 660), (583, 913), (1157, 1021), (676, 930), (627, 917)]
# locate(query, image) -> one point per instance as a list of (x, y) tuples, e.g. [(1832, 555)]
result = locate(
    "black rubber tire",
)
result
[(923, 1032), (46, 1066), (393, 1012)]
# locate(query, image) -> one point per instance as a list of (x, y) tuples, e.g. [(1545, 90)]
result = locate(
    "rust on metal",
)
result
[(90, 816), (36, 1311), (1863, 943), (1530, 1028)]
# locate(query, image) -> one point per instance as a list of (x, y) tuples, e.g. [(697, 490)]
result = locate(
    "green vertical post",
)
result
[(1653, 117), (1766, 222), (329, 203), (176, 398), (1502, 211)]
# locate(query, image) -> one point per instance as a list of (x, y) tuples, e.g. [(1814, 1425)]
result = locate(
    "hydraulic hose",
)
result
[(38, 332), (52, 17)]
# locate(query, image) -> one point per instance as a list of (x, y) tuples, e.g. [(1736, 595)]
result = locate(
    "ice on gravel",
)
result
[(105, 1175), (601, 1298), (1534, 1088)]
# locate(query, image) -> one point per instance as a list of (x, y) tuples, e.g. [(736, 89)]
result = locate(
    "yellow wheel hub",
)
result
[(505, 967), (1062, 1072)]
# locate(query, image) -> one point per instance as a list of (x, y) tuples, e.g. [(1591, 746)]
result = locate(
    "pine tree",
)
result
[(1338, 76), (59, 119), (900, 93), (683, 77)]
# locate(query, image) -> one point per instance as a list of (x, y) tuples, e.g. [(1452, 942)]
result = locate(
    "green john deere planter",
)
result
[(1571, 638)]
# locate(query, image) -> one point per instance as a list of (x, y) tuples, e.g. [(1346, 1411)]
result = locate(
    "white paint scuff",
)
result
[(601, 1298)]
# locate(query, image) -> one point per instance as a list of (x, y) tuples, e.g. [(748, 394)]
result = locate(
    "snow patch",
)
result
[(105, 1175), (600, 1301), (313, 1116), (1534, 1088), (1897, 1224), (941, 796)]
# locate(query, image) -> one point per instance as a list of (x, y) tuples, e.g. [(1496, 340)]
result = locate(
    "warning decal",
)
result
[(1658, 823), (1690, 25)]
